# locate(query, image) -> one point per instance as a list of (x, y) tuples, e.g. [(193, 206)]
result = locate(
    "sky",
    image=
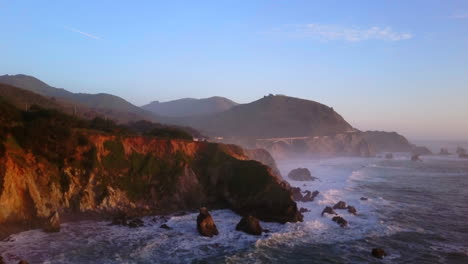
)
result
[(383, 65)]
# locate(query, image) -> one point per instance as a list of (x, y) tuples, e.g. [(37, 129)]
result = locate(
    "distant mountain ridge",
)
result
[(108, 105), (269, 117), (190, 106)]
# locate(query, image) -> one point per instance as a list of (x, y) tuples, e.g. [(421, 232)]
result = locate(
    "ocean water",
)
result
[(416, 211)]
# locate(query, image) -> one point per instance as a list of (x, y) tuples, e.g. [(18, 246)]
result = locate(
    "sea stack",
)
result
[(205, 224)]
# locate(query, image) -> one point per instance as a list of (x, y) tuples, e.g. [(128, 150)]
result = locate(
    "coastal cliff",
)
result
[(85, 171)]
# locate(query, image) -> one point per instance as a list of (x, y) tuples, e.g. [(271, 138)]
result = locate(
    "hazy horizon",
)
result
[(377, 64)]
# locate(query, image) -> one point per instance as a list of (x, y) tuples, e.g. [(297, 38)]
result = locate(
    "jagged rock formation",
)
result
[(205, 223), (340, 220), (250, 225), (340, 205)]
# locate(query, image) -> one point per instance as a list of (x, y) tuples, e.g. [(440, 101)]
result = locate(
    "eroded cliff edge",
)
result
[(104, 174)]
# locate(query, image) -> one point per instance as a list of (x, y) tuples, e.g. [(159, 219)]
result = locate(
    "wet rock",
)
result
[(421, 150), (364, 198), (23, 262), (205, 224), (378, 253), (119, 219), (250, 225), (309, 196), (461, 151), (136, 222), (340, 205), (352, 210), (328, 210), (164, 226), (1, 260), (296, 194), (444, 151), (415, 157), (303, 210), (52, 223), (389, 156), (301, 174), (340, 220)]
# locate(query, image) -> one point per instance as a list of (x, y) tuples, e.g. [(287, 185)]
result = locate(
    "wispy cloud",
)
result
[(326, 32), (81, 32), (460, 15)]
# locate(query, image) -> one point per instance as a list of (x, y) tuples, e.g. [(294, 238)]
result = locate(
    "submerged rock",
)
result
[(352, 210), (136, 222), (205, 224), (340, 220), (444, 151), (328, 210), (53, 223), (250, 225), (389, 156), (364, 198), (301, 174), (340, 205), (304, 210), (461, 151), (415, 157), (463, 156), (378, 253), (164, 226), (120, 219)]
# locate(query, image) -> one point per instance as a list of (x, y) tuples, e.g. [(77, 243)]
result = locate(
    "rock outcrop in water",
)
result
[(444, 151), (340, 220), (53, 223), (250, 225), (352, 210), (340, 205), (298, 195), (300, 174), (461, 151), (378, 253), (415, 157), (328, 210), (205, 223)]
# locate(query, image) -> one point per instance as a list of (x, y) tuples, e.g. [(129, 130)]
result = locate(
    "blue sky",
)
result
[(387, 65)]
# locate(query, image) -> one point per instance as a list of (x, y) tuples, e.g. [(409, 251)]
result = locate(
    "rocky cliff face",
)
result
[(106, 174)]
